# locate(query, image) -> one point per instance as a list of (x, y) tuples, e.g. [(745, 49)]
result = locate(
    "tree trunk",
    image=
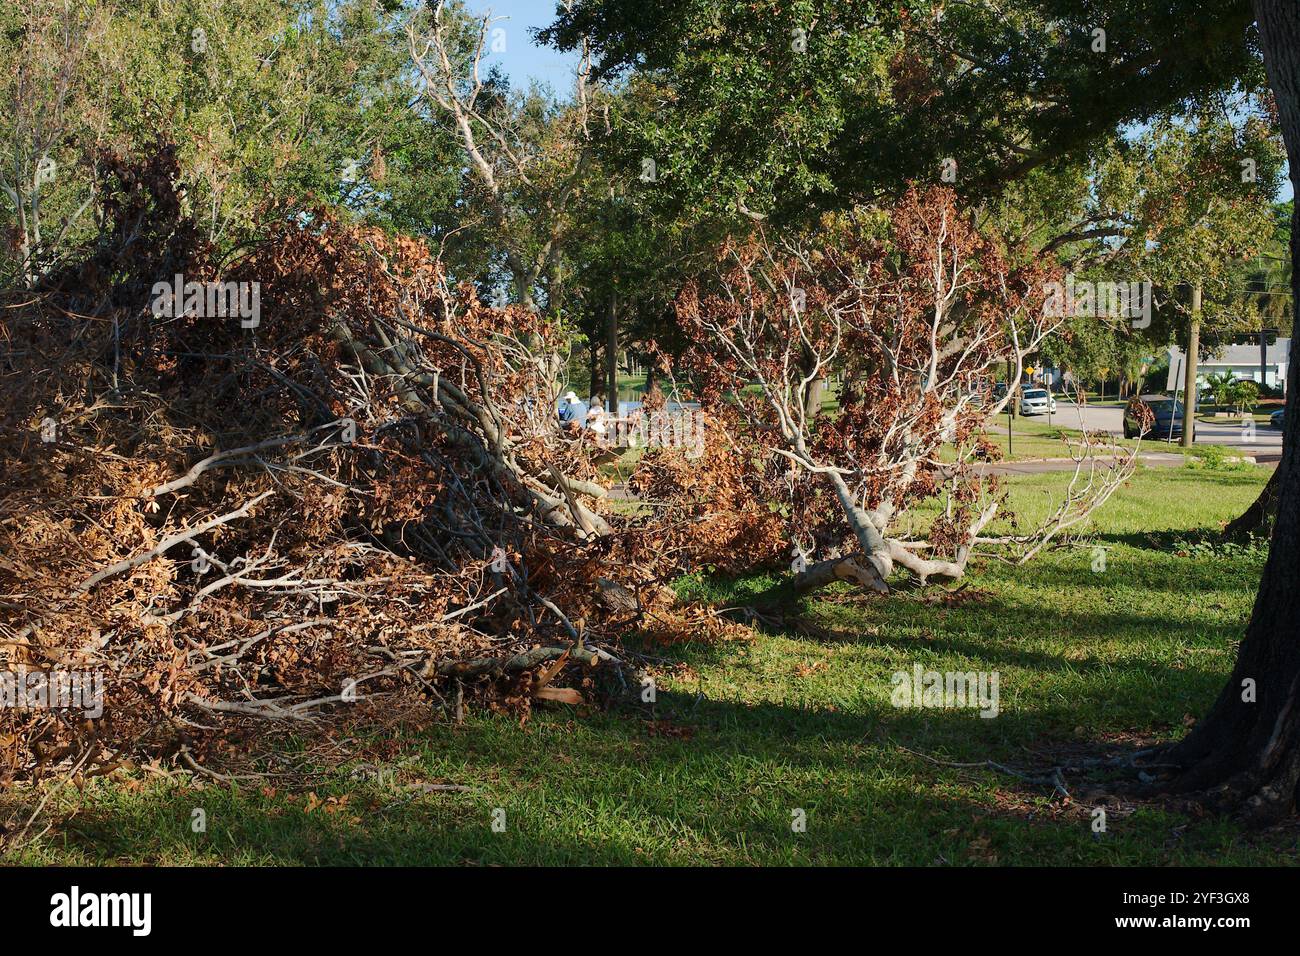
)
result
[(1189, 382), (611, 355), (1258, 516), (816, 388), (524, 292), (593, 370), (1245, 755), (813, 399)]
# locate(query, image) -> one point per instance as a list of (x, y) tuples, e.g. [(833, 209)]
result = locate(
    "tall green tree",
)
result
[(1181, 205), (268, 102), (48, 111)]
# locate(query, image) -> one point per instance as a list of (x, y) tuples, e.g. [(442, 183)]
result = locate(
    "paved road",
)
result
[(1264, 446), (1036, 466)]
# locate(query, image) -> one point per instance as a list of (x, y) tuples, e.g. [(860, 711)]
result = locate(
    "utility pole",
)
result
[(1189, 384), (1263, 357), (1177, 375), (1012, 385)]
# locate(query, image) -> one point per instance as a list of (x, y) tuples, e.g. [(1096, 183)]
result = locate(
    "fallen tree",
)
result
[(912, 314)]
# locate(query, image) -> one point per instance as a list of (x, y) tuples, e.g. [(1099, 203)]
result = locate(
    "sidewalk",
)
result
[(1037, 466)]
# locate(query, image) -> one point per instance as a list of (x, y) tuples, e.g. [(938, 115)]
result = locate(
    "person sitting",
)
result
[(598, 420), (572, 412)]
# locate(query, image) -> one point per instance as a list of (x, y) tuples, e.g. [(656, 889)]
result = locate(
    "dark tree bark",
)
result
[(611, 356), (1258, 516), (1245, 755), (593, 369)]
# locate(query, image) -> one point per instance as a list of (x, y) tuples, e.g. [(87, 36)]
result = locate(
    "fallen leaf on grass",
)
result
[(565, 695)]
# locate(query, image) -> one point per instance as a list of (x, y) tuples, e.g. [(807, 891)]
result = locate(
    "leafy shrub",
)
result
[(1244, 394)]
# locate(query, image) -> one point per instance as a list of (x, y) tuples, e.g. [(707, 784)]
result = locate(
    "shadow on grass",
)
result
[(605, 791), (992, 633)]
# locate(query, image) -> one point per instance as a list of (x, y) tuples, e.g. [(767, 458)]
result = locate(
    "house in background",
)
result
[(1243, 361)]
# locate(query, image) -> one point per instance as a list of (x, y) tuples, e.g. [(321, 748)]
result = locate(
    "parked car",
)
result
[(1037, 401), (1168, 415), (1278, 418)]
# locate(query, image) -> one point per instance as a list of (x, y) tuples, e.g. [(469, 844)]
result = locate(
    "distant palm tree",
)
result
[(1268, 283), (1220, 385), (1268, 279)]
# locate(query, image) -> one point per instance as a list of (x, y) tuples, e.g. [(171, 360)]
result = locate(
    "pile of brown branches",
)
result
[(360, 492), (322, 483)]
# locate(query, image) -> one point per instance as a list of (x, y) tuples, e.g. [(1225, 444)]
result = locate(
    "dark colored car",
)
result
[(1278, 417), (1168, 415)]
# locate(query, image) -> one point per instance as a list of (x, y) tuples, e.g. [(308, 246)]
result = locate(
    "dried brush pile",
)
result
[(365, 498)]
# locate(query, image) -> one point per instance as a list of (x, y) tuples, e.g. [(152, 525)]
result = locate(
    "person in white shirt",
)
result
[(598, 419)]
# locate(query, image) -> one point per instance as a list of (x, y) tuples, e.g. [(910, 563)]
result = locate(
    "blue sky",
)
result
[(524, 60)]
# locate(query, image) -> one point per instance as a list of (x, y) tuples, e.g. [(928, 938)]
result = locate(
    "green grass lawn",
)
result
[(746, 733), (1033, 438), (1261, 418)]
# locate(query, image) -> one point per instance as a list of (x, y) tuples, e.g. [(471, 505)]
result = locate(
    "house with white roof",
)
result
[(1242, 361)]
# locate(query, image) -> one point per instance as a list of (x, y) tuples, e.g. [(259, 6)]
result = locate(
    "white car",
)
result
[(1037, 401)]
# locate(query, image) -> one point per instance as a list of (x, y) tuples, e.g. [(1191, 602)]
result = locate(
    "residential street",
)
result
[(1265, 448), (1157, 459)]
